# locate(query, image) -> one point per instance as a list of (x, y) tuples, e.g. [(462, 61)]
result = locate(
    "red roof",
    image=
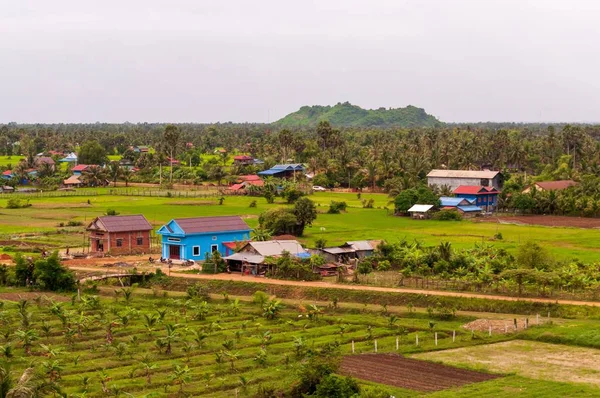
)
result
[(236, 187), (243, 157), (122, 223), (80, 167), (212, 224), (474, 190), (249, 177), (7, 173), (555, 185), (234, 245)]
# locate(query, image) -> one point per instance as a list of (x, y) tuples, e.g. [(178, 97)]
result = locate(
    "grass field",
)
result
[(73, 344), (12, 160), (531, 359), (358, 223)]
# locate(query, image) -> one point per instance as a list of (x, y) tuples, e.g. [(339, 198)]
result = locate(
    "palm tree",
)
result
[(170, 337), (94, 176), (148, 366), (27, 338), (261, 235), (126, 175), (114, 171), (181, 376)]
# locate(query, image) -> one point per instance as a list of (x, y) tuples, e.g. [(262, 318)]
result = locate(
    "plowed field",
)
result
[(395, 370)]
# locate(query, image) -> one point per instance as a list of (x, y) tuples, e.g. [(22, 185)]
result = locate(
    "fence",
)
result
[(113, 192)]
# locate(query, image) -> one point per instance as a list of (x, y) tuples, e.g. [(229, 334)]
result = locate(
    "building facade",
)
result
[(483, 197), (120, 235), (455, 178), (198, 237)]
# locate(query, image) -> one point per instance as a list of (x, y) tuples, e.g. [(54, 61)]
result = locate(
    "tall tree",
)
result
[(171, 138)]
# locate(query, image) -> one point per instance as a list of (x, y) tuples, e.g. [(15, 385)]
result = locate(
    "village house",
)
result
[(6, 189), (198, 237), (484, 197), (120, 234), (349, 251), (70, 158), (243, 160), (464, 206), (45, 160), (253, 254), (140, 149), (79, 169), (283, 171), (551, 185), (73, 181), (455, 178)]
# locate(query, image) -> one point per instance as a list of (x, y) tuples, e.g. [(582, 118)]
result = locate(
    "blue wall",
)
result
[(187, 242), (481, 200)]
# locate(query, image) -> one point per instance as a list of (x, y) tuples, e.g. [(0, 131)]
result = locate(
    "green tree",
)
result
[(171, 139), (305, 212), (91, 152), (51, 274), (405, 200), (114, 171), (531, 255)]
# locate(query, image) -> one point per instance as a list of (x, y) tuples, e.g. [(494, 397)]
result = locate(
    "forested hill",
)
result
[(348, 115)]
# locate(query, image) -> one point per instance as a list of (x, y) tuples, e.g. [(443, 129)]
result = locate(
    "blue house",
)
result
[(484, 197), (283, 170), (195, 238)]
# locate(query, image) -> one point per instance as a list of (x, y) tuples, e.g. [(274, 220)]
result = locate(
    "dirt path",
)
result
[(267, 281)]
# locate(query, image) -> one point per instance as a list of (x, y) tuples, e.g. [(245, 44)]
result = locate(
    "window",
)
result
[(214, 238), (214, 248), (174, 239), (140, 241), (196, 250), (119, 242)]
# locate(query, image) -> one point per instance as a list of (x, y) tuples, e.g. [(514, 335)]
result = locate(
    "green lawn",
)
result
[(75, 344), (10, 160), (357, 223)]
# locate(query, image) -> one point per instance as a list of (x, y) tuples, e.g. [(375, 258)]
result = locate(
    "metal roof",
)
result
[(277, 247), (361, 245), (420, 208), (338, 250), (555, 185), (463, 173), (270, 172), (73, 180), (121, 223), (469, 209), (448, 201), (246, 257), (475, 190), (198, 225)]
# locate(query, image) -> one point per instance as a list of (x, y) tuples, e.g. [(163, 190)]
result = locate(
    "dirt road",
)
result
[(267, 281)]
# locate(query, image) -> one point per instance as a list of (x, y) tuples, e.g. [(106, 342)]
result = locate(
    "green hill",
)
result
[(348, 115)]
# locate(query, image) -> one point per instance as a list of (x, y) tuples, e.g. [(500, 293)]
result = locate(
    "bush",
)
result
[(292, 194), (368, 204), (364, 267), (384, 265), (498, 236), (72, 223), (337, 207), (111, 212), (320, 243), (16, 203), (253, 203), (447, 215), (333, 386)]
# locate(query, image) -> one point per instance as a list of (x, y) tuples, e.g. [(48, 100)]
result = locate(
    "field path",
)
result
[(268, 281)]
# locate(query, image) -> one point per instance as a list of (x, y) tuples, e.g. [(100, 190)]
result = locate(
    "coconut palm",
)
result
[(171, 336), (114, 172), (148, 366), (27, 338), (180, 376), (94, 176)]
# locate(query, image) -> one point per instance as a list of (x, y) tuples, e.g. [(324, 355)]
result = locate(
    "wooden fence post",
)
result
[(353, 346), (397, 345), (436, 338), (453, 336), (375, 341), (417, 339)]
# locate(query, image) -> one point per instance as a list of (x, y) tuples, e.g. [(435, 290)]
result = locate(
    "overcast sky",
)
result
[(256, 61)]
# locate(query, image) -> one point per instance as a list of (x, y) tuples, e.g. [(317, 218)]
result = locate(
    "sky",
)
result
[(256, 61)]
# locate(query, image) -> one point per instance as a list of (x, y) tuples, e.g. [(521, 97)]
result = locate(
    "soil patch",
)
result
[(532, 359), (397, 371), (500, 325), (546, 221), (31, 296)]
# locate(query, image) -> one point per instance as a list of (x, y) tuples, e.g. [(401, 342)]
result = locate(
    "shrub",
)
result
[(320, 243), (364, 267), (333, 386), (384, 265), (111, 212), (253, 203), (447, 215), (498, 236), (337, 207), (72, 223), (16, 203), (292, 194), (368, 204)]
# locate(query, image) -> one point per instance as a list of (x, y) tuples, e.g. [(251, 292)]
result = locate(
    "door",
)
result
[(174, 252), (99, 246), (214, 248)]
